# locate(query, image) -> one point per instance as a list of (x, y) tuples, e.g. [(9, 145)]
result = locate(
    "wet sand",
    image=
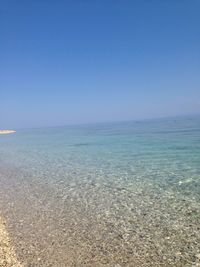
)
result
[(7, 254)]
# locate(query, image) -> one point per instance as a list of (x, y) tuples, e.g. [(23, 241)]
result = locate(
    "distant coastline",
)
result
[(7, 131)]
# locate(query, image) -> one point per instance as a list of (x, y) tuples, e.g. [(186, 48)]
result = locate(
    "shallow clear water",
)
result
[(116, 194)]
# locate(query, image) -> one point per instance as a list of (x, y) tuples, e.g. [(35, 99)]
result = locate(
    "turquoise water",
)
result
[(115, 194)]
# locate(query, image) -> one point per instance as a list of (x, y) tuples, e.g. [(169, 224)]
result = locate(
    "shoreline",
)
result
[(7, 131), (8, 257)]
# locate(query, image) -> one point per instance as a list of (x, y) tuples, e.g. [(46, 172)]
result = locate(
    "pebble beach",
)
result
[(8, 256)]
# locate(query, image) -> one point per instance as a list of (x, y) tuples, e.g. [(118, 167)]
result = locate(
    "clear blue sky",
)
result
[(79, 61)]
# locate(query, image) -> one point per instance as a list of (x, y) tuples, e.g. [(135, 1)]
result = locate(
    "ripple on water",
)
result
[(132, 199)]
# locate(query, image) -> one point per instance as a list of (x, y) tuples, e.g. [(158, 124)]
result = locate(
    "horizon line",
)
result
[(111, 121)]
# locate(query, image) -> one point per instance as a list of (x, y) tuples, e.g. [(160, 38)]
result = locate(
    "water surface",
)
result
[(115, 194)]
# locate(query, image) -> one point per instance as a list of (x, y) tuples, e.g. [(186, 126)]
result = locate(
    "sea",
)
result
[(107, 194)]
